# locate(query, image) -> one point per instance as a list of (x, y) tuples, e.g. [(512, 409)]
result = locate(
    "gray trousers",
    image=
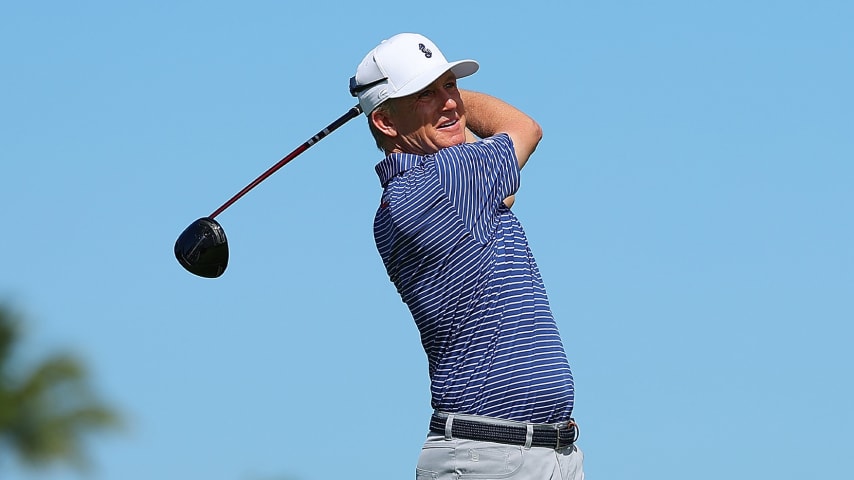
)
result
[(460, 459)]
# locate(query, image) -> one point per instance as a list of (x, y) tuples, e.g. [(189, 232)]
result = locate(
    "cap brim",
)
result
[(461, 68)]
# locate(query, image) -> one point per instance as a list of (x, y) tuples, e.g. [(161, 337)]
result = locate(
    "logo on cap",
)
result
[(427, 52)]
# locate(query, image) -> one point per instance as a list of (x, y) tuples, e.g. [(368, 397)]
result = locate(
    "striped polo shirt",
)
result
[(460, 261)]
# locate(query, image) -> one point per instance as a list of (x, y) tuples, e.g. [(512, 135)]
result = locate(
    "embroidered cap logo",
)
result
[(427, 52)]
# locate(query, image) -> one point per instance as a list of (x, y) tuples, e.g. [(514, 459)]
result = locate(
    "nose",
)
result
[(450, 101)]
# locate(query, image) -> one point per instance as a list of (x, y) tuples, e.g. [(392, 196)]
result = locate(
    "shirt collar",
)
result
[(396, 163)]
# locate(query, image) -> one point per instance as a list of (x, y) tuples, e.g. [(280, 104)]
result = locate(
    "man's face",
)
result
[(431, 119)]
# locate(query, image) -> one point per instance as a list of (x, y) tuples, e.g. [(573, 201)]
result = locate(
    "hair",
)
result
[(386, 107)]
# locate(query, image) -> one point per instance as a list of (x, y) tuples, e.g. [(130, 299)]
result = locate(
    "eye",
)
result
[(425, 93)]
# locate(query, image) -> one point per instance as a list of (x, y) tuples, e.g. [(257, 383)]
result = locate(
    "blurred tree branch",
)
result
[(46, 411)]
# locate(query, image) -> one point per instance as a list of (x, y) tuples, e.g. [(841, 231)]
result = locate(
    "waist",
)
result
[(532, 397), (474, 427)]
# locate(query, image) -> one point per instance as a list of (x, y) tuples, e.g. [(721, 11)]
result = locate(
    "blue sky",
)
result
[(689, 208)]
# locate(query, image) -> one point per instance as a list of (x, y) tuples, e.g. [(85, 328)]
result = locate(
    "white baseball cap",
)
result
[(401, 66)]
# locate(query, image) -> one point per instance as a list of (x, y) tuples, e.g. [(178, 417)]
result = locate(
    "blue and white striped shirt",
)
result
[(461, 262)]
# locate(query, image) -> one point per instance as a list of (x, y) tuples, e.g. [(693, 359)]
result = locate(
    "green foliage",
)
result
[(46, 411)]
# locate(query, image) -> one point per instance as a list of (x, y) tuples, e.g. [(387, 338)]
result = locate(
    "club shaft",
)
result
[(351, 114)]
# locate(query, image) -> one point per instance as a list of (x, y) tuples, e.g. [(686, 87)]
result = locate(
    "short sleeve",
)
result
[(476, 178)]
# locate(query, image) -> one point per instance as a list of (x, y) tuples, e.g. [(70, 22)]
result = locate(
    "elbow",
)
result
[(538, 131), (535, 134)]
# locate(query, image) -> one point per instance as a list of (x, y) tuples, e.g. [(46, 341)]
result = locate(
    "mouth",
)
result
[(448, 124)]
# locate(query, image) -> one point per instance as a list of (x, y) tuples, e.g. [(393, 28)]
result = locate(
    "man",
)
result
[(501, 386)]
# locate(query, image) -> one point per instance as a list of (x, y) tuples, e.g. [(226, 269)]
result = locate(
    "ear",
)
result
[(383, 122)]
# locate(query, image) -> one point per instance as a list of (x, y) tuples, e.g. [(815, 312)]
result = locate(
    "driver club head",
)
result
[(202, 248)]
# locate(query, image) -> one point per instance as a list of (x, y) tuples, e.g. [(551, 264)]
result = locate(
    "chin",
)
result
[(452, 140)]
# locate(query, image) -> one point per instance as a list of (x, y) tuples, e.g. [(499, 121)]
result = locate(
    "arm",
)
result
[(487, 116), (471, 138)]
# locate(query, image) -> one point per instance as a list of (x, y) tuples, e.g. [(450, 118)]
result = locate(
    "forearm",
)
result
[(487, 115)]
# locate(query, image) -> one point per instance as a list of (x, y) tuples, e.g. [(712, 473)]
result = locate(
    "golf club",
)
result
[(202, 247)]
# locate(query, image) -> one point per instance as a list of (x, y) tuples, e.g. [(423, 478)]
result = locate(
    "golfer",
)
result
[(501, 385)]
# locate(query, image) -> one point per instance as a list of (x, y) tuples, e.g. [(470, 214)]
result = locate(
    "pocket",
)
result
[(435, 458), (491, 462), (421, 474)]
